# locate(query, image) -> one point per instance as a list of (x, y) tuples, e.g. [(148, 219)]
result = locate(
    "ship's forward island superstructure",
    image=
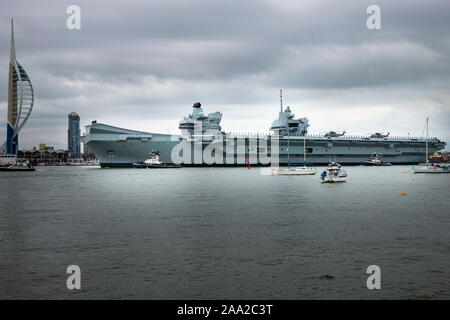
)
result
[(203, 143)]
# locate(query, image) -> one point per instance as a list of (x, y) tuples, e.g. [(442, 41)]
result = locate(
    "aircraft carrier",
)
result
[(203, 143)]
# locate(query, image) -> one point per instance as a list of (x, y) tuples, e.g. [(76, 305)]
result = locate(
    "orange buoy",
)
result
[(403, 193), (330, 186)]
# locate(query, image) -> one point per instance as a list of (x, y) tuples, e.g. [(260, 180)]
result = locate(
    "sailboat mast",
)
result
[(281, 100), (426, 145), (288, 148), (287, 126), (304, 149)]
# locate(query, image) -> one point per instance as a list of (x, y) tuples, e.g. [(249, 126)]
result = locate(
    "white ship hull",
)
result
[(298, 171), (333, 180)]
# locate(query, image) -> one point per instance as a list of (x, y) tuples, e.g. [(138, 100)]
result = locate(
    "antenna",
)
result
[(281, 100), (426, 144), (12, 55)]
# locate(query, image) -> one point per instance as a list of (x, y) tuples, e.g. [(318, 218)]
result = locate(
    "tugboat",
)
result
[(154, 162), (376, 160), (334, 173), (19, 165)]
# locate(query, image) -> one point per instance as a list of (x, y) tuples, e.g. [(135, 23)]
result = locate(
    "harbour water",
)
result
[(223, 233)]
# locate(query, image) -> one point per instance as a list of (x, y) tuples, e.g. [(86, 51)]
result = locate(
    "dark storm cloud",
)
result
[(133, 60)]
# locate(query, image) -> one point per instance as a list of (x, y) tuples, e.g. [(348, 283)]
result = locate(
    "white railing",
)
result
[(346, 137)]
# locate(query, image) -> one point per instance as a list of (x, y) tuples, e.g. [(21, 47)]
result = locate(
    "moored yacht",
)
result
[(294, 170), (7, 160), (334, 173), (433, 168), (301, 170), (19, 165), (430, 167)]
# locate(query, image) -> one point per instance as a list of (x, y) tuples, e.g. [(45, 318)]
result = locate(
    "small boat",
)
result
[(297, 171), (376, 160), (18, 166), (95, 163), (153, 162), (293, 170), (341, 172), (334, 173), (433, 168), (7, 160), (429, 167)]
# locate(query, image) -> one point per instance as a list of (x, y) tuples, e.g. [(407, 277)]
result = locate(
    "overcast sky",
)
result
[(142, 64)]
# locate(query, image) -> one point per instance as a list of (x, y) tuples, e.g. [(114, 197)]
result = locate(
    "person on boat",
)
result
[(323, 174)]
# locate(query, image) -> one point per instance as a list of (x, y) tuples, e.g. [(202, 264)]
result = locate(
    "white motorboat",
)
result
[(19, 165), (334, 173), (341, 172), (7, 160)]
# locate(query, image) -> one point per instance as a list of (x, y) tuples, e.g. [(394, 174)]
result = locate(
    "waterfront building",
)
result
[(73, 135), (88, 154), (47, 156)]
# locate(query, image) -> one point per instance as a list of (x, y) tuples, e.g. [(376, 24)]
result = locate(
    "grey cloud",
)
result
[(151, 60)]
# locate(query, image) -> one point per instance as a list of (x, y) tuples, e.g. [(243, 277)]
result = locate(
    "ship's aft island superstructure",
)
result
[(286, 124), (203, 143)]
